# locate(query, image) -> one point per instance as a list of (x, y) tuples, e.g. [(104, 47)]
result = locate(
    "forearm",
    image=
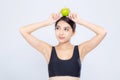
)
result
[(32, 27), (95, 28)]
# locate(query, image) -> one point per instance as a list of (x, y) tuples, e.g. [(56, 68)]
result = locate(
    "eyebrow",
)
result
[(64, 27)]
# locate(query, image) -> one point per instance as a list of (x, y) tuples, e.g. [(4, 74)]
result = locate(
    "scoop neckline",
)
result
[(64, 59)]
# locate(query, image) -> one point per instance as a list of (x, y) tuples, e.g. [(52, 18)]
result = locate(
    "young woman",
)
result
[(64, 60)]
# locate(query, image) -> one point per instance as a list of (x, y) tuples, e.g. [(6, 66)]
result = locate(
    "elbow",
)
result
[(21, 30), (104, 32)]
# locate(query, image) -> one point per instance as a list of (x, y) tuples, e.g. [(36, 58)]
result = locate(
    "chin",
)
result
[(62, 41)]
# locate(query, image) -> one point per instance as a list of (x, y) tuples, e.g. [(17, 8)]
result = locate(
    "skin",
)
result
[(63, 30)]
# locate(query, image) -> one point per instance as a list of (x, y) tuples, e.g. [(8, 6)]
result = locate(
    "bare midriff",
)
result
[(64, 78)]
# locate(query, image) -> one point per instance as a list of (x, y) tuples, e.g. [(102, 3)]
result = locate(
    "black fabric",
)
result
[(69, 67)]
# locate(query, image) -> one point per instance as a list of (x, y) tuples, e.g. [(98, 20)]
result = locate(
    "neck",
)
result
[(64, 45)]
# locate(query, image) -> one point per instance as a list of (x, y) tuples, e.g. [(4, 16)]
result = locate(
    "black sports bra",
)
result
[(70, 67)]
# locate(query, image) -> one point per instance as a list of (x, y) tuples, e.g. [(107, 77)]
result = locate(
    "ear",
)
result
[(74, 33)]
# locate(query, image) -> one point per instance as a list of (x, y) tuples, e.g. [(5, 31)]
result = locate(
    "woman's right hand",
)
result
[(54, 17)]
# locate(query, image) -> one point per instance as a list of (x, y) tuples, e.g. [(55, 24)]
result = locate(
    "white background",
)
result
[(20, 61)]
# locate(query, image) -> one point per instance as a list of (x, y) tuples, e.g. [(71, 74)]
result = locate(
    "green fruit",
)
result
[(65, 11)]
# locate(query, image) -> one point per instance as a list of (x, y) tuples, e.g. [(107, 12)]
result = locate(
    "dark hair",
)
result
[(69, 21)]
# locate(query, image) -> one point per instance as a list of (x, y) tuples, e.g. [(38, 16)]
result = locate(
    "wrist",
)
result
[(49, 22), (81, 22)]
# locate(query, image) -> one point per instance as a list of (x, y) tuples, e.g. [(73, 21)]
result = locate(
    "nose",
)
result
[(61, 32)]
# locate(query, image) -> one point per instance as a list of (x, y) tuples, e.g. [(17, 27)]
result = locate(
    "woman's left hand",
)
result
[(75, 17)]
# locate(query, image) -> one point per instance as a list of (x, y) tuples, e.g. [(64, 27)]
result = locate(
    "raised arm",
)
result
[(89, 45), (40, 45)]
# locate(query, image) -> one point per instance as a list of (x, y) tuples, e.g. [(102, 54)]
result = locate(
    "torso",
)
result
[(63, 57), (64, 78), (47, 57)]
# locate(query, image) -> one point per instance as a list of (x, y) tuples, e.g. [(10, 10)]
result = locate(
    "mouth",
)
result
[(61, 37)]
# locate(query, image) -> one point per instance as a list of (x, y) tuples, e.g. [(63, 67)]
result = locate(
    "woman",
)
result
[(64, 59)]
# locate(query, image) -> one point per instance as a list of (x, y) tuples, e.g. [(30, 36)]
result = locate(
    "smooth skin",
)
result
[(63, 32)]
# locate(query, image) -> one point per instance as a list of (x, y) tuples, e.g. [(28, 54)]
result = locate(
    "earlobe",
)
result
[(74, 33)]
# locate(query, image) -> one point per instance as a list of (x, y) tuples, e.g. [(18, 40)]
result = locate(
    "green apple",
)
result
[(65, 11)]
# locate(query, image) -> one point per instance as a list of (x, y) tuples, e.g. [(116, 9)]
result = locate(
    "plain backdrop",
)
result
[(20, 61)]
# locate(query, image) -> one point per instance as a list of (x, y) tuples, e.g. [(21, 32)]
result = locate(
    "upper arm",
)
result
[(40, 45), (89, 45)]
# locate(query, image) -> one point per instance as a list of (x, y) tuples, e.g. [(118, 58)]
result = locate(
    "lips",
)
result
[(61, 37)]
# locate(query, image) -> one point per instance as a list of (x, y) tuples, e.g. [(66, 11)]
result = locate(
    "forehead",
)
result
[(63, 24)]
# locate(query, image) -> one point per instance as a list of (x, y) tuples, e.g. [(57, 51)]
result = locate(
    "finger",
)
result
[(75, 15), (53, 15), (59, 15), (70, 15), (56, 15)]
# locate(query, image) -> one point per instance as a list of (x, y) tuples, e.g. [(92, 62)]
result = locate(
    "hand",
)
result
[(54, 17), (75, 18)]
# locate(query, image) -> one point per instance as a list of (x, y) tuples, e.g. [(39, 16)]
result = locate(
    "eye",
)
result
[(56, 28), (66, 29)]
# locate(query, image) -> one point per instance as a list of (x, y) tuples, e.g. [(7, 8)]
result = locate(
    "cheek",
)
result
[(56, 33), (69, 34)]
